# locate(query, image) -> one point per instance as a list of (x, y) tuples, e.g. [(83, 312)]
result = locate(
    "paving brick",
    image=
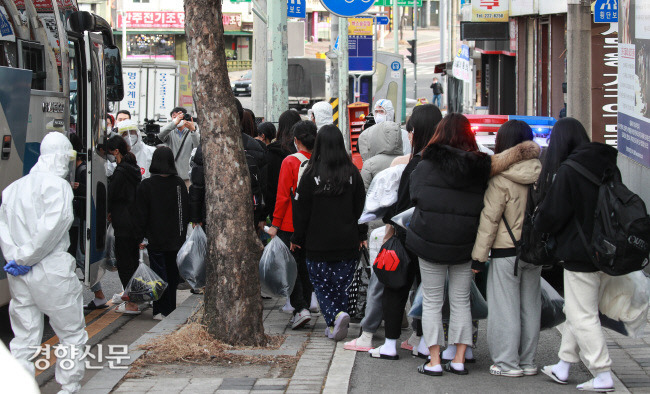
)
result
[(272, 381), (269, 387)]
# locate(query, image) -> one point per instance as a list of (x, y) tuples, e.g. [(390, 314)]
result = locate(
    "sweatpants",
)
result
[(127, 254), (374, 309), (164, 264), (582, 332), (301, 295), (394, 301), (514, 310), (331, 281), (433, 291)]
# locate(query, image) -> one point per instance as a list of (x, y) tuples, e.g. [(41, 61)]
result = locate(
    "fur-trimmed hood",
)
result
[(524, 151)]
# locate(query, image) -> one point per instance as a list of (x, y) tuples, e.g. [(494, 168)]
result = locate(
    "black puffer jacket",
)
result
[(121, 198), (197, 188), (447, 190), (571, 195)]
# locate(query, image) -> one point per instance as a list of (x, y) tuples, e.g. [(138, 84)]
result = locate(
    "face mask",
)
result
[(133, 139), (294, 144), (380, 118), (110, 158), (181, 124)]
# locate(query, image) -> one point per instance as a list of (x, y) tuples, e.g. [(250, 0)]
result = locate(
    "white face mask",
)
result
[(294, 144), (110, 158), (133, 139), (380, 118), (181, 124)]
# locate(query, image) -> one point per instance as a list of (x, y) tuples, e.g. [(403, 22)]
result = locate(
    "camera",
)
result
[(189, 118), (151, 130)]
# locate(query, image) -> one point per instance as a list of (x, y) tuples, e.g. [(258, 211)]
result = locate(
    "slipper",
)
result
[(122, 309), (423, 370), (352, 345), (376, 353), (548, 371), (467, 360), (92, 306), (422, 356), (406, 346), (447, 367), (589, 386)]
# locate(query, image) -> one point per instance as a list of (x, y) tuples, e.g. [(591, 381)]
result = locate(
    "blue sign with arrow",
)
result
[(606, 11), (348, 8), (382, 20)]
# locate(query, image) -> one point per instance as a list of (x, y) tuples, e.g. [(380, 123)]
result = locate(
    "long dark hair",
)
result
[(330, 161), (285, 123), (248, 125), (423, 121), (566, 135), (118, 143), (162, 162), (456, 131), (511, 133)]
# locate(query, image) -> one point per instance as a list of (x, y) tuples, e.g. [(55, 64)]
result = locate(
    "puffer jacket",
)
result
[(447, 189), (197, 188), (379, 146), (506, 195)]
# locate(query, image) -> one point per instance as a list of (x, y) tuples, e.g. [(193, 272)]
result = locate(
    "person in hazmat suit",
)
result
[(128, 129), (383, 112), (321, 114), (35, 217)]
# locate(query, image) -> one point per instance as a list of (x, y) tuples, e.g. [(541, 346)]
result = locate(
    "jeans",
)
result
[(433, 289), (164, 264), (301, 295), (437, 100), (331, 281)]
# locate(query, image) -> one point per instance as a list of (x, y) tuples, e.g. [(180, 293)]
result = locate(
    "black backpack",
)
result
[(534, 247), (620, 241)]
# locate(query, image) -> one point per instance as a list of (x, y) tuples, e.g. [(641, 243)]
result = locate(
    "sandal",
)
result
[(352, 345), (423, 370), (447, 367), (548, 371), (92, 306), (422, 356), (122, 309), (376, 353)]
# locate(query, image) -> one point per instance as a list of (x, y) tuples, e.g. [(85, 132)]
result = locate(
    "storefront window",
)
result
[(158, 46)]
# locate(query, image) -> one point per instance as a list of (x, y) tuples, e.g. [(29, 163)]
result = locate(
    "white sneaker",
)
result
[(287, 308), (300, 319), (158, 316), (313, 306), (117, 298), (514, 373), (530, 371)]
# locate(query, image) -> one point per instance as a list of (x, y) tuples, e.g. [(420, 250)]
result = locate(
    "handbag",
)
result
[(358, 289), (391, 264)]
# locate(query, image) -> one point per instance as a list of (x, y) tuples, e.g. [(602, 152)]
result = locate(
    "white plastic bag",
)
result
[(404, 219), (623, 303), (375, 241), (278, 270), (110, 262), (145, 285), (191, 258), (382, 193)]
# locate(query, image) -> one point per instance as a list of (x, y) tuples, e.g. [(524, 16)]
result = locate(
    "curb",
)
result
[(338, 375), (105, 380)]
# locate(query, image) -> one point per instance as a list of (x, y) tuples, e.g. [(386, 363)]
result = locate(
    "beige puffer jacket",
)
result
[(506, 193)]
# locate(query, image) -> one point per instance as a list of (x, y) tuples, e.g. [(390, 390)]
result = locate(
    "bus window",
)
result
[(31, 56)]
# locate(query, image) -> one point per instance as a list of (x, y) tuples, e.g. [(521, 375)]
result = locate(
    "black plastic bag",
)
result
[(477, 303), (391, 264)]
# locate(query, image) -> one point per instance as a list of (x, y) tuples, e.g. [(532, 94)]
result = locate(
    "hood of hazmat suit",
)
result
[(322, 111), (128, 129), (387, 105), (35, 216)]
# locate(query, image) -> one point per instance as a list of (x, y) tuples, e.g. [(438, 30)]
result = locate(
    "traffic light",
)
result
[(412, 50)]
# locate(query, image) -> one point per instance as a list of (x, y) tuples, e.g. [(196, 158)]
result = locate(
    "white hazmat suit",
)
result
[(322, 113), (128, 129), (35, 216), (387, 106)]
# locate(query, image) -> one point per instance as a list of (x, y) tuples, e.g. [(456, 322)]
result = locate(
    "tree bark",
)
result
[(233, 308)]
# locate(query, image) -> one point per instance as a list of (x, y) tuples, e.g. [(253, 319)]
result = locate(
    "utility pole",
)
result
[(259, 58), (277, 93), (453, 35), (415, 38), (343, 80), (334, 63), (442, 16), (395, 27), (579, 70)]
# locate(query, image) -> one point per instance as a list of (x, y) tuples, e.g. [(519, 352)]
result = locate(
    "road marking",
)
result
[(105, 317)]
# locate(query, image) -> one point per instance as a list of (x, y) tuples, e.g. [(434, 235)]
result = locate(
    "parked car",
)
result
[(243, 85)]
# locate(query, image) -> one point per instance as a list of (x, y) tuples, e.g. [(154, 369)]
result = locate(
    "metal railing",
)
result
[(238, 65)]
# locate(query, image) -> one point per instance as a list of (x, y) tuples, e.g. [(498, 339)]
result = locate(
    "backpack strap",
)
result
[(300, 157), (583, 238), (178, 153), (514, 241), (583, 171)]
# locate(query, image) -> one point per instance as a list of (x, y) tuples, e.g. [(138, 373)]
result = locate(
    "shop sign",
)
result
[(604, 82), (634, 87), (6, 31), (153, 19), (231, 21), (513, 35), (606, 11), (461, 68), (400, 3), (46, 5), (296, 9), (490, 10)]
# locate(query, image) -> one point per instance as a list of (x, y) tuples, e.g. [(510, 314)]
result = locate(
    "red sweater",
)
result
[(287, 182)]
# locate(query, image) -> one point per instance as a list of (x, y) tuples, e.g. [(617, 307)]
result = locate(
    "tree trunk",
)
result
[(233, 308)]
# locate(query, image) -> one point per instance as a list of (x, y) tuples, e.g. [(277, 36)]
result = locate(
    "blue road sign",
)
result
[(360, 53), (382, 20), (296, 8), (395, 66), (348, 8), (606, 11)]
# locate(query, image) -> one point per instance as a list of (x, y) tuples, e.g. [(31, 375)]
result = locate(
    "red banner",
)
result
[(46, 5)]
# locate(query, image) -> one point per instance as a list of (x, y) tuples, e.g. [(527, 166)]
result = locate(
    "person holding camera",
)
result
[(181, 135)]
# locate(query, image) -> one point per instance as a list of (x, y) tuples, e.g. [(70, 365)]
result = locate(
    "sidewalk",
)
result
[(322, 365)]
